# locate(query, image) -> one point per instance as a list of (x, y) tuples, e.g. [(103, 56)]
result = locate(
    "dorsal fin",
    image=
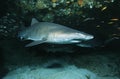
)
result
[(34, 21)]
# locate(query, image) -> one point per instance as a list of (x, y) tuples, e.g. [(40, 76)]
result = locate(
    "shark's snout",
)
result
[(84, 36), (89, 37)]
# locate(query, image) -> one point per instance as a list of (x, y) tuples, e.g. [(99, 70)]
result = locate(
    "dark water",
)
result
[(105, 27)]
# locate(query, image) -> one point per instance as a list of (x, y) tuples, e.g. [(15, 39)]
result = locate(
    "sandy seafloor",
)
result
[(23, 63)]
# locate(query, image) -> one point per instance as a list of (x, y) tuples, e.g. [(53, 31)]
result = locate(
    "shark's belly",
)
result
[(61, 39)]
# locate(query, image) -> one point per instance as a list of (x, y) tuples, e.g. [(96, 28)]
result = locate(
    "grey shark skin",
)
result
[(46, 32)]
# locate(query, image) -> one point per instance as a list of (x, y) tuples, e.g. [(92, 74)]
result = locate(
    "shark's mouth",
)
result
[(76, 40), (79, 40)]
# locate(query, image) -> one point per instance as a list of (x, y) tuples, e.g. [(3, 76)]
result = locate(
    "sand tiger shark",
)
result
[(47, 32)]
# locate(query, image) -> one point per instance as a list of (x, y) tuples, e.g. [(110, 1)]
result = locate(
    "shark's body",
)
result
[(46, 32)]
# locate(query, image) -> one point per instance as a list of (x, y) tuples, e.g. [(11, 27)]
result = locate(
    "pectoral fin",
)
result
[(34, 43)]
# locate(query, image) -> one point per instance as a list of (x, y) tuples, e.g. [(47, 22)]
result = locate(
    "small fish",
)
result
[(88, 19), (110, 22), (104, 8), (46, 32), (114, 19)]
